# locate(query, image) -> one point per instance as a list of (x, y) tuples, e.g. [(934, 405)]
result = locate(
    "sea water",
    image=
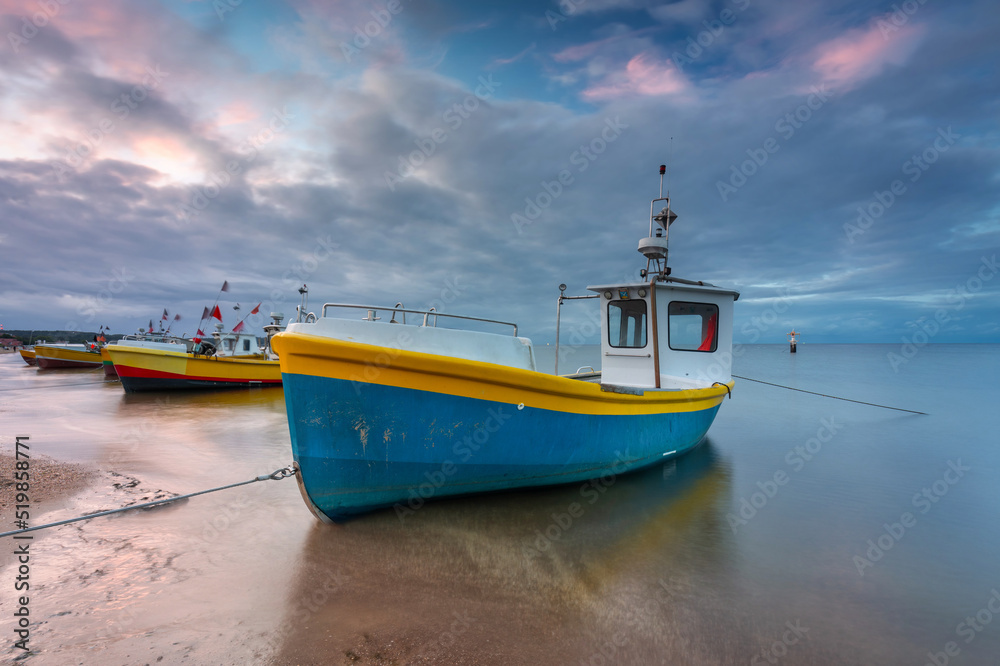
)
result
[(804, 530)]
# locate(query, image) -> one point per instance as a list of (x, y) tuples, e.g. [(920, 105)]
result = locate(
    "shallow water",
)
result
[(744, 548)]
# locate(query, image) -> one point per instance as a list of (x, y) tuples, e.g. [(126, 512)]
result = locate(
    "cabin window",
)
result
[(246, 345), (627, 323), (228, 344), (693, 326)]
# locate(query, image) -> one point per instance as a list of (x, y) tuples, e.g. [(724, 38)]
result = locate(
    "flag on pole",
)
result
[(238, 327), (204, 313), (177, 317), (256, 309), (165, 315), (216, 313), (150, 325), (225, 285)]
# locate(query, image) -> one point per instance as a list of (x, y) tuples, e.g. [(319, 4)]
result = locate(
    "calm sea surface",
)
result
[(804, 530)]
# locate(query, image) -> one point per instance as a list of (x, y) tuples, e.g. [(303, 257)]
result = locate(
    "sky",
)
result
[(836, 162)]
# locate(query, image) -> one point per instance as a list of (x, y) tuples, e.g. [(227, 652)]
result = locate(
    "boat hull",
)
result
[(66, 357), (28, 355), (368, 432), (142, 369), (108, 364)]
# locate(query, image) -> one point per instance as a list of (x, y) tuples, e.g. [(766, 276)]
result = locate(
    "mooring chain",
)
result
[(279, 474), (276, 475)]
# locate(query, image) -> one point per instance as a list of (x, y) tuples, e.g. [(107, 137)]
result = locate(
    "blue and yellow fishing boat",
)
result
[(389, 414)]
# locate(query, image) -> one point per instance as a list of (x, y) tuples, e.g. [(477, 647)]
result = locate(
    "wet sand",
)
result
[(457, 582), (52, 484)]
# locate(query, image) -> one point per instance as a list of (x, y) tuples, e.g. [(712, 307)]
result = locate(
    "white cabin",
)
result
[(687, 344)]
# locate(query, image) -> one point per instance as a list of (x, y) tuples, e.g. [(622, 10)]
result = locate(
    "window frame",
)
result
[(644, 319), (712, 317)]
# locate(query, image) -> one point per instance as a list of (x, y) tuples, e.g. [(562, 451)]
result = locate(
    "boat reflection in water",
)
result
[(529, 574)]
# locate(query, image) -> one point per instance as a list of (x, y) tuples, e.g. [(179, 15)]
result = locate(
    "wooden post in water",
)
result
[(792, 340)]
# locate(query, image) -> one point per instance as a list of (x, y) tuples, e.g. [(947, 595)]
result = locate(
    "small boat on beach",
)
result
[(228, 360), (385, 413), (108, 364), (28, 355), (67, 356)]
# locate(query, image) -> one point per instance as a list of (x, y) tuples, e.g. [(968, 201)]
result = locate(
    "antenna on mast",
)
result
[(670, 161)]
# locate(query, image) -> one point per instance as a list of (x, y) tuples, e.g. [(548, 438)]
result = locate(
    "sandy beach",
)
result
[(53, 483)]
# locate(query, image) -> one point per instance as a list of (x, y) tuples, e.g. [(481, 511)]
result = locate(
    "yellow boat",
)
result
[(235, 361), (28, 355), (109, 366), (67, 356)]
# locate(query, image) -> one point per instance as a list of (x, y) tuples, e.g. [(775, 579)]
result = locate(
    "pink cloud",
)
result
[(643, 75), (862, 53)]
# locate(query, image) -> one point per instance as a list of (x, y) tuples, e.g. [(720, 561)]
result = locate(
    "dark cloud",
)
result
[(311, 202)]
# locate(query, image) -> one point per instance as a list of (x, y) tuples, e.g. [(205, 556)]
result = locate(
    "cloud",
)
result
[(863, 53), (310, 203), (643, 75)]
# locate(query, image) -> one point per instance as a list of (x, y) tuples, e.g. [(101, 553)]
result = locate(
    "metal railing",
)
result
[(373, 311)]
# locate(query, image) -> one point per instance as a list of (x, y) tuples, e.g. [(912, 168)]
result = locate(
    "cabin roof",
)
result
[(670, 284)]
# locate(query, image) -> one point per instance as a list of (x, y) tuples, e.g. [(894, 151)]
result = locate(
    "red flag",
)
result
[(177, 317), (256, 309), (216, 313), (165, 315), (200, 333), (225, 285), (238, 327), (204, 313), (150, 325)]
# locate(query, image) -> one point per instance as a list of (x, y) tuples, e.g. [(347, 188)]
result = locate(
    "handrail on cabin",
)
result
[(425, 313)]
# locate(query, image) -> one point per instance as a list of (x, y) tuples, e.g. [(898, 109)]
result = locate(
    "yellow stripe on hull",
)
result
[(140, 361), (338, 359), (59, 355)]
